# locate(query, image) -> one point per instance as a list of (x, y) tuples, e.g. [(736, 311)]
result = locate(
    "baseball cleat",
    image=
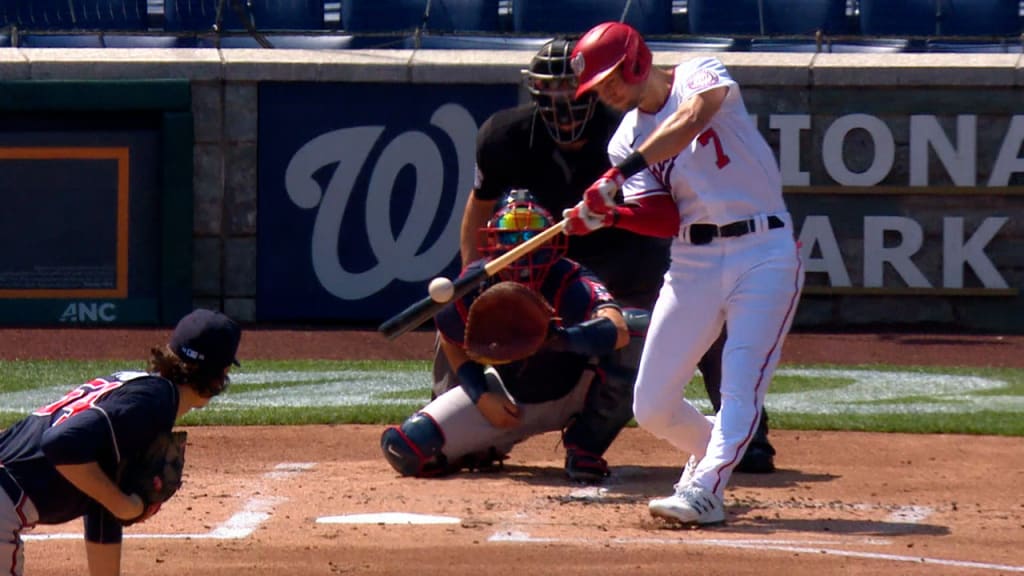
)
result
[(689, 505), (758, 459), (585, 467), (688, 471)]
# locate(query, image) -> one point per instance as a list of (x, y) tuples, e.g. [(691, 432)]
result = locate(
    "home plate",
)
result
[(388, 518)]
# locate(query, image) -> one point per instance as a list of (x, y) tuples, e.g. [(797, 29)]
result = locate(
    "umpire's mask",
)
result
[(552, 85)]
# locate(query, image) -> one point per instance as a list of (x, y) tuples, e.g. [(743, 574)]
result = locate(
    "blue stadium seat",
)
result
[(74, 24), (898, 17), (267, 15), (805, 17), (940, 17), (398, 15), (979, 18), (724, 17), (577, 16), (78, 15), (745, 17)]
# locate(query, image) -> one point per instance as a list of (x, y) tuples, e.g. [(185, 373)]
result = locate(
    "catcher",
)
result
[(105, 451), (523, 351)]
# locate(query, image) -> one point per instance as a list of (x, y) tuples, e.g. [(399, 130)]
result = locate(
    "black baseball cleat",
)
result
[(585, 467), (759, 459)]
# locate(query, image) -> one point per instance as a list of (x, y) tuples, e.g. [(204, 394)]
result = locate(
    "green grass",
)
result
[(388, 391)]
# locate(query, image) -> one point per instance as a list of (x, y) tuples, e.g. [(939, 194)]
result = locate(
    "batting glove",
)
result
[(579, 220), (600, 197)]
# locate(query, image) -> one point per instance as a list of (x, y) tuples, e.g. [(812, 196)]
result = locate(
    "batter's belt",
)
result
[(704, 233)]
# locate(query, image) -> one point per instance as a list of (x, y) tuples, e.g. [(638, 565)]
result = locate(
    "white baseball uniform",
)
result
[(748, 276)]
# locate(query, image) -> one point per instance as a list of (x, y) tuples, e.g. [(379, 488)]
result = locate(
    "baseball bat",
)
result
[(422, 310)]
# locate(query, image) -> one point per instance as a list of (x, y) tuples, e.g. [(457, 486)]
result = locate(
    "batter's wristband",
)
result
[(633, 164), (472, 379)]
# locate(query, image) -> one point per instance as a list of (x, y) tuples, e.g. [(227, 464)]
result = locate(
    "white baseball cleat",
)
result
[(690, 504), (689, 471)]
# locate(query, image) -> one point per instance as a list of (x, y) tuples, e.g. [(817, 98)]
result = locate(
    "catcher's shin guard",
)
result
[(609, 404), (414, 445)]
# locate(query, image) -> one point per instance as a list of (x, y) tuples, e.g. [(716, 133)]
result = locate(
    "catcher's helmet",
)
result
[(552, 85), (519, 219), (604, 48)]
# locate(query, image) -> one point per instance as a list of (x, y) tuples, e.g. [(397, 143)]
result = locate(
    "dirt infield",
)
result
[(261, 501)]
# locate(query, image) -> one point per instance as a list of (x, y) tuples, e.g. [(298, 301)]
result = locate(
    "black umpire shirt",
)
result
[(514, 150)]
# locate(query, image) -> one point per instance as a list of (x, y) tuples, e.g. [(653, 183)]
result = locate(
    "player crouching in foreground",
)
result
[(105, 450), (522, 352)]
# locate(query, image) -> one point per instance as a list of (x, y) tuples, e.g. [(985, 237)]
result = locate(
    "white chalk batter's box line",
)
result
[(896, 513), (254, 512), (794, 546)]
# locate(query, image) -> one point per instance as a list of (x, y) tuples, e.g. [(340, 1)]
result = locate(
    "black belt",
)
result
[(705, 233), (10, 485)]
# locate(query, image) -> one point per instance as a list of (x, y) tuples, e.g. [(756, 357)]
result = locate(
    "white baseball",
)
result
[(441, 289)]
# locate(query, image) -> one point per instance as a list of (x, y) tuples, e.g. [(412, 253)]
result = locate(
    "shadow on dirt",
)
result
[(743, 520)]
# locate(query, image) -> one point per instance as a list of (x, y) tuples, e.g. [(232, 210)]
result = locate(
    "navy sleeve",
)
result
[(582, 295), (101, 526), (86, 437)]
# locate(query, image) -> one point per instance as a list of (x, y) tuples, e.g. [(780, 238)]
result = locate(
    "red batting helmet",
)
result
[(603, 48)]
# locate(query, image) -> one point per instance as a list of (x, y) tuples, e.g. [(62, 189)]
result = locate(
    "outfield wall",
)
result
[(905, 173)]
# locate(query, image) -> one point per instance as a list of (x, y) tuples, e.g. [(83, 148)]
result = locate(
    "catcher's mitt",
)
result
[(155, 475), (508, 322)]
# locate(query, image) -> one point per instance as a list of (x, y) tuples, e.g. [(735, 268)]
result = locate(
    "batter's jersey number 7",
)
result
[(709, 135)]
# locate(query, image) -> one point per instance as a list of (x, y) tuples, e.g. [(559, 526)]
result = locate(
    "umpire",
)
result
[(556, 146)]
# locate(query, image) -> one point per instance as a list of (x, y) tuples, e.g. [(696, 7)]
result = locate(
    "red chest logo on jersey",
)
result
[(701, 79)]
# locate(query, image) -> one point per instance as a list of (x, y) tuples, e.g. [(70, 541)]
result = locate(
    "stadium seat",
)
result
[(959, 26), (979, 18), (267, 15), (78, 15), (577, 16), (74, 24), (724, 17), (898, 17), (940, 17), (745, 17), (398, 15), (805, 17)]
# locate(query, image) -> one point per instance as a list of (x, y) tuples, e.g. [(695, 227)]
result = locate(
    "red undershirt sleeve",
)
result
[(651, 216)]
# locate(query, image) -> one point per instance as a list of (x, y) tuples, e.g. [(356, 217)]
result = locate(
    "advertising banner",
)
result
[(361, 192)]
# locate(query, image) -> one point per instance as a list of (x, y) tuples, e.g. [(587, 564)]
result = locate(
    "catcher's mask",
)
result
[(520, 219), (552, 84)]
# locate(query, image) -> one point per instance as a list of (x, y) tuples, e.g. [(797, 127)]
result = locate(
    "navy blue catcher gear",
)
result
[(411, 448)]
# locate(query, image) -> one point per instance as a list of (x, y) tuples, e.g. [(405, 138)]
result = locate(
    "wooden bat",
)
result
[(419, 312)]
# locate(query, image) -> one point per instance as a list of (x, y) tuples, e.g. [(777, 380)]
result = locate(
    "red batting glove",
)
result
[(600, 197), (580, 221)]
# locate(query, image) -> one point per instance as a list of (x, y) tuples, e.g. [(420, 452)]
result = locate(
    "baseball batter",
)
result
[(692, 164), (62, 461), (478, 416), (555, 146)]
